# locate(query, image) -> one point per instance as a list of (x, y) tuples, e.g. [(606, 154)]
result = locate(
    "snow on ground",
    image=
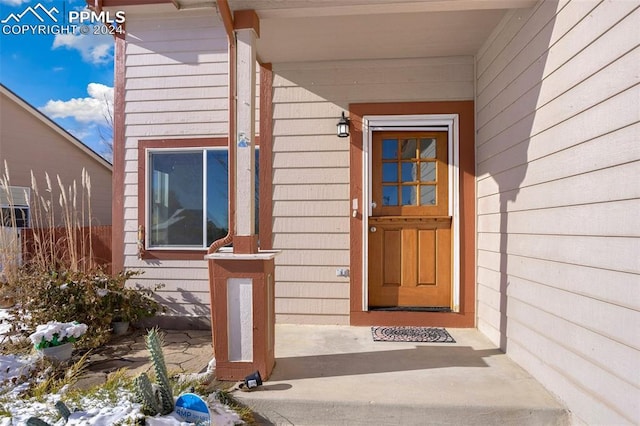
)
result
[(93, 411), (5, 321)]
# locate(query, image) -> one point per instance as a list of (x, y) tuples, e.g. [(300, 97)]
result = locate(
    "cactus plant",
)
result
[(63, 410), (156, 399), (154, 344), (34, 421), (145, 394)]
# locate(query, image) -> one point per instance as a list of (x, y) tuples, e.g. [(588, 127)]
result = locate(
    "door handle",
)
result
[(374, 204), (373, 229)]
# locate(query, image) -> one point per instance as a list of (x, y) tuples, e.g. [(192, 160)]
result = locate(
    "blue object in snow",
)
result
[(193, 409)]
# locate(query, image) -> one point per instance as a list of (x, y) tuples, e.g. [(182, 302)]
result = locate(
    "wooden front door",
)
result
[(409, 228)]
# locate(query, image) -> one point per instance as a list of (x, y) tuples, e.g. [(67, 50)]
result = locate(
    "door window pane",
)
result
[(408, 149), (409, 172), (428, 148), (176, 199), (427, 195), (428, 172), (409, 195), (389, 149), (390, 195), (389, 172)]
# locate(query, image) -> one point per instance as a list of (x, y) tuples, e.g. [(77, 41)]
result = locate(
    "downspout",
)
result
[(227, 19)]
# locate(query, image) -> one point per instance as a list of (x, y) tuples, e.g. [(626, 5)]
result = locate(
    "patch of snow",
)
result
[(91, 411), (5, 321), (12, 367), (61, 330)]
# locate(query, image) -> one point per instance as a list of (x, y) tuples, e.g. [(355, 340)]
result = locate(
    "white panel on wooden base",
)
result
[(240, 318)]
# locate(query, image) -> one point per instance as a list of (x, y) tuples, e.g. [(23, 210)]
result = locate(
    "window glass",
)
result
[(176, 197), (217, 194), (428, 172), (390, 149), (409, 172), (408, 149), (389, 172), (409, 195), (18, 216), (428, 148), (427, 195), (389, 195)]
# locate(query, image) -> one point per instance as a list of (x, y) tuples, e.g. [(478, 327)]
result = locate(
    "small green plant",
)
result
[(110, 390), (131, 304), (57, 277), (146, 395), (4, 412), (53, 379), (95, 299), (245, 413), (155, 399)]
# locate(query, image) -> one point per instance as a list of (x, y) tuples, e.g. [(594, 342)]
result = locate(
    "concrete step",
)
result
[(299, 412), (330, 375)]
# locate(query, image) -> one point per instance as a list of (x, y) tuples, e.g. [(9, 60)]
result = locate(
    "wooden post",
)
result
[(245, 240), (242, 283)]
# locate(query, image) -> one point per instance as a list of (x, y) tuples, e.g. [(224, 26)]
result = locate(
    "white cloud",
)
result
[(95, 49), (84, 132), (13, 2), (92, 109)]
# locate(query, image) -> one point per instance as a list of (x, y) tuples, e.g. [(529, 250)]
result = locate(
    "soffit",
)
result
[(319, 30)]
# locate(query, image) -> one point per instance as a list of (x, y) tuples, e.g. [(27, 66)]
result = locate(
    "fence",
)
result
[(85, 247)]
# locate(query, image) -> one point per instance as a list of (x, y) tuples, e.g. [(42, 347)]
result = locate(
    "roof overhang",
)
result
[(320, 30)]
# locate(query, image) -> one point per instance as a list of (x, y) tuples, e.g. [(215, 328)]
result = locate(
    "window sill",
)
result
[(179, 254), (154, 254)]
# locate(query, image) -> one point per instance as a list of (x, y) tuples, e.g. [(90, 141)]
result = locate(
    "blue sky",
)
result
[(68, 77)]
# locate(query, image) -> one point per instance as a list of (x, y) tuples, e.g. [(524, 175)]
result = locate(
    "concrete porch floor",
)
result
[(337, 375)]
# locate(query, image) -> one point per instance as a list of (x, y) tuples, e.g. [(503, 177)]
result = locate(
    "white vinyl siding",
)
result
[(311, 205), (558, 161)]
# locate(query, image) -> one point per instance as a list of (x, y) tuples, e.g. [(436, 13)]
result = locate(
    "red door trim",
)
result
[(466, 316)]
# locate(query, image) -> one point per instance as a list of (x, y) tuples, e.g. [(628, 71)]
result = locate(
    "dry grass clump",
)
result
[(55, 277), (61, 220)]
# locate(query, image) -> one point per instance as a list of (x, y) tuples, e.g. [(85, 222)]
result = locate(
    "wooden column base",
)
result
[(261, 272)]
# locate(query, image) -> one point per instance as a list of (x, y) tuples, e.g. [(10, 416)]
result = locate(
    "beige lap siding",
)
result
[(176, 88), (311, 206), (558, 159)]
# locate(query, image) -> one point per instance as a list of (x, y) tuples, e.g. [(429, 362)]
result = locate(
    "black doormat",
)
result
[(411, 334)]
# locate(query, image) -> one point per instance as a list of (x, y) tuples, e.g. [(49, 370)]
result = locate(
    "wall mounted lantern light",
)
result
[(343, 127)]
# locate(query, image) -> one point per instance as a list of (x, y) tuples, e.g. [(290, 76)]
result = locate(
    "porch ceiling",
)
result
[(318, 30)]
